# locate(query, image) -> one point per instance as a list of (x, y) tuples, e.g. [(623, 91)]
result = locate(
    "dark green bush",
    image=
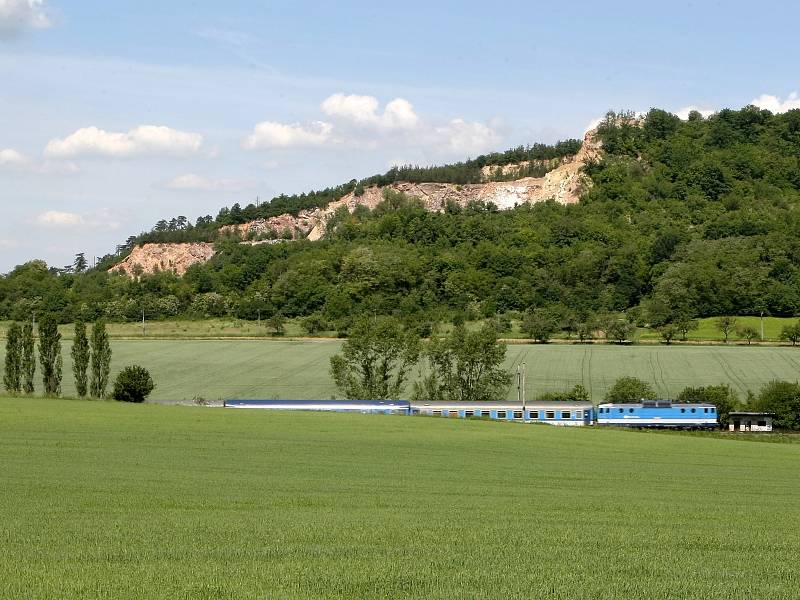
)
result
[(133, 384)]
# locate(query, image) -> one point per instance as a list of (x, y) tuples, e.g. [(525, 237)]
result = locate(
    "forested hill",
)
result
[(683, 219)]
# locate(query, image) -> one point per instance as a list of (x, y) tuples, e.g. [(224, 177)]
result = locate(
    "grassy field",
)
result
[(101, 500), (218, 369), (237, 328)]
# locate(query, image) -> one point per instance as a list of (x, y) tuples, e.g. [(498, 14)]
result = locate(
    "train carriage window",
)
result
[(578, 414), (437, 413), (468, 413), (622, 410), (630, 410), (761, 423), (683, 410), (705, 410), (453, 413), (565, 414), (501, 414), (713, 409), (487, 413), (694, 410), (550, 414), (533, 414), (517, 414)]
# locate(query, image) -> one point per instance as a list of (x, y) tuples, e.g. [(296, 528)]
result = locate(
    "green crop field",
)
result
[(218, 369), (102, 500)]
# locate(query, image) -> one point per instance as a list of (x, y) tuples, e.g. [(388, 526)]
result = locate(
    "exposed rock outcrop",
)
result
[(564, 184), (150, 258)]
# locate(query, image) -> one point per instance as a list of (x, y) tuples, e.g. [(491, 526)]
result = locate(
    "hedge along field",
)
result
[(219, 369), (107, 500)]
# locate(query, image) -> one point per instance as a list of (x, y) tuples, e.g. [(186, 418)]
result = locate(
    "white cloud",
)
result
[(11, 158), (363, 110), (466, 137), (199, 183), (143, 140), (104, 219), (59, 219), (18, 15), (269, 165), (270, 134), (683, 113), (775, 104)]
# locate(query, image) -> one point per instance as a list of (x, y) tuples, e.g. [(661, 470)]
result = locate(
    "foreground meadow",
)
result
[(219, 369), (101, 500)]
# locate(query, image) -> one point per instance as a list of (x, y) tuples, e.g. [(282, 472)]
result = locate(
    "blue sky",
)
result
[(116, 114)]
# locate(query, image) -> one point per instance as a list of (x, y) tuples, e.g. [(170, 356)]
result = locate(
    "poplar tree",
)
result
[(28, 358), (50, 355), (13, 370), (80, 357), (101, 360)]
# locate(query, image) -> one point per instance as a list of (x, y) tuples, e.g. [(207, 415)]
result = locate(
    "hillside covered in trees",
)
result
[(683, 219)]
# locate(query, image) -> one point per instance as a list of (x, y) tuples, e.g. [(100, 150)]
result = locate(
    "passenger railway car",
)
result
[(657, 413), (553, 413), (371, 406)]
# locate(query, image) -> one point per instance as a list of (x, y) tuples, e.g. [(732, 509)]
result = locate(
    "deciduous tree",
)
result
[(12, 375)]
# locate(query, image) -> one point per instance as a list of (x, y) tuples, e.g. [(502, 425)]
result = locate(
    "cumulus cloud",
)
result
[(14, 160), (363, 110), (466, 137), (11, 158), (56, 219), (775, 104), (143, 140), (19, 15), (271, 134), (195, 182)]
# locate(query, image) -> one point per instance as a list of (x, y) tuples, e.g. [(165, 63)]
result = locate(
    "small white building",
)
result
[(750, 421)]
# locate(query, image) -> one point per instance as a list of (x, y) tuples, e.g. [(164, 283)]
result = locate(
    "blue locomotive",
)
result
[(647, 413)]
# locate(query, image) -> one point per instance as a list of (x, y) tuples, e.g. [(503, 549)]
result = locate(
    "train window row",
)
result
[(706, 410), (516, 414)]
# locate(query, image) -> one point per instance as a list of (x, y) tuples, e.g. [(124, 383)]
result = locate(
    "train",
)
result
[(646, 413)]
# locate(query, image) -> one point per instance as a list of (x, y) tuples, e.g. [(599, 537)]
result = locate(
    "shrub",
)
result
[(630, 389), (133, 384)]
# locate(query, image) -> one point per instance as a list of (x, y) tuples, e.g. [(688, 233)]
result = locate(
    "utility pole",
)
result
[(523, 390), (762, 325), (144, 332)]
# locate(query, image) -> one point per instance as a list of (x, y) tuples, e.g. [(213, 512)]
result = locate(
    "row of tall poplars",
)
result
[(20, 361)]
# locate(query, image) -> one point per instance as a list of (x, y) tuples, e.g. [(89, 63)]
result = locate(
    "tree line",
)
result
[(91, 363)]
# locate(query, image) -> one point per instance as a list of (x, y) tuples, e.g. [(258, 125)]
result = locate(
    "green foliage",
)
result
[(133, 384), (576, 394), (726, 325), (619, 330), (668, 332), (375, 360), (80, 358), (791, 333), (12, 375), (722, 396), (314, 323), (630, 389), (747, 332), (50, 355), (539, 325), (28, 364), (277, 323), (100, 360), (783, 399), (464, 366)]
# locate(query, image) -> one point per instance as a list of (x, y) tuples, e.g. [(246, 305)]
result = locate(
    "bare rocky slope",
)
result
[(564, 184)]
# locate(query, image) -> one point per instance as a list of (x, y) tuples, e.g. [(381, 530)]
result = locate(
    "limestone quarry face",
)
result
[(150, 258), (563, 184)]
